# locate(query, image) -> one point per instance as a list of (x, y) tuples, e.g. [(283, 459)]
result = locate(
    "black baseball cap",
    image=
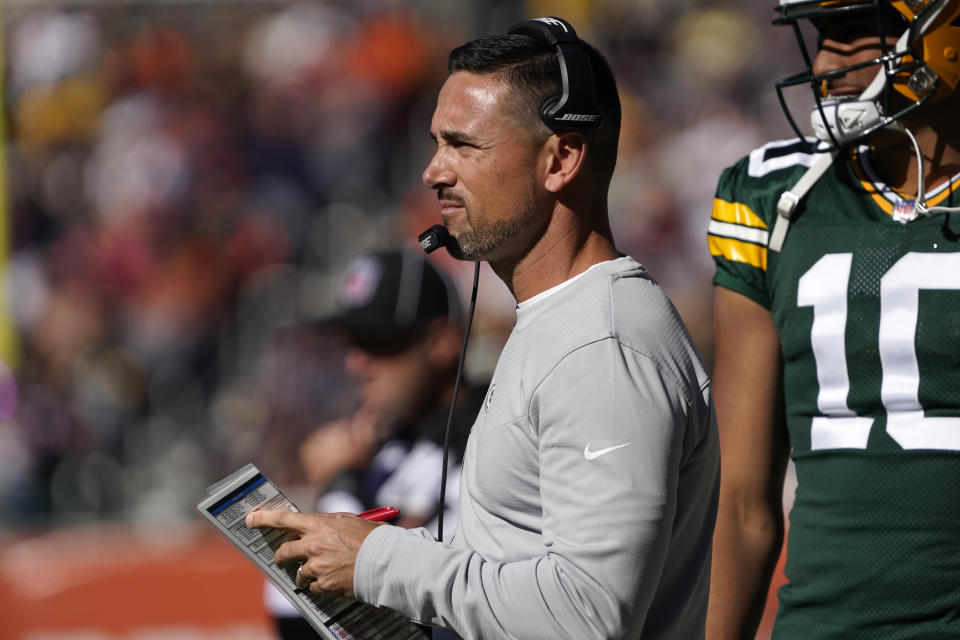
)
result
[(389, 297)]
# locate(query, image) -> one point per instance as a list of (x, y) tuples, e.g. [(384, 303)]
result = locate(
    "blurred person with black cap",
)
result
[(402, 321)]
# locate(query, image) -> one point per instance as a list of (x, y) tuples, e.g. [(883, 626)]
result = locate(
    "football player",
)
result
[(838, 337)]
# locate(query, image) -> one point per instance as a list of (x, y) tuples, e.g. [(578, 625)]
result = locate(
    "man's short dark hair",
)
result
[(531, 68)]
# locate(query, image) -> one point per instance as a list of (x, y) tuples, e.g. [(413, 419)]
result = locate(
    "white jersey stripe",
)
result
[(739, 232), (759, 166)]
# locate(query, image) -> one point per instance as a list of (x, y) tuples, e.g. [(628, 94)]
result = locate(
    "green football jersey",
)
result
[(866, 299)]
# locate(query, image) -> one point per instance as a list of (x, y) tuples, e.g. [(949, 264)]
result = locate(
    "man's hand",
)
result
[(327, 548), (348, 443)]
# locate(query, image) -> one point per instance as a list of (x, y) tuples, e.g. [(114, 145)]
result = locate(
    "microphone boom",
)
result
[(433, 238)]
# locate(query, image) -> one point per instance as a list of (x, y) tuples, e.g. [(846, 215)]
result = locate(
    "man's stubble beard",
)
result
[(480, 242)]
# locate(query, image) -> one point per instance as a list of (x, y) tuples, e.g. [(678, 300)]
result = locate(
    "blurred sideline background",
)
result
[(182, 184)]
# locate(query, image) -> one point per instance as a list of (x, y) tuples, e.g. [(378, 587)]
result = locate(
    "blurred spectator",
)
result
[(188, 181), (403, 323)]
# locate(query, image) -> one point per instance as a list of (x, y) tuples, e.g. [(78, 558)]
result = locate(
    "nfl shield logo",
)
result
[(905, 211), (360, 282)]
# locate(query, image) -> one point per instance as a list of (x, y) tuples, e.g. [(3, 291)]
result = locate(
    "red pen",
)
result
[(379, 514)]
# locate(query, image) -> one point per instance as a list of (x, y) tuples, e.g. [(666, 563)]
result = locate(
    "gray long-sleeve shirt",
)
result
[(589, 485)]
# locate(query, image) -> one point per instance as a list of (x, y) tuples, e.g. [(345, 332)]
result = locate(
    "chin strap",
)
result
[(921, 199)]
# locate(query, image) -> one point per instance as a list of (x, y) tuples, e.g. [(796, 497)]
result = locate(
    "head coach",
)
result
[(589, 485)]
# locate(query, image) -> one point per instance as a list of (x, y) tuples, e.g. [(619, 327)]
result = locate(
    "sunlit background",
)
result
[(182, 186)]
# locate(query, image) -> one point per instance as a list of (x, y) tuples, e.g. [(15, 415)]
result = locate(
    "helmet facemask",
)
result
[(905, 80)]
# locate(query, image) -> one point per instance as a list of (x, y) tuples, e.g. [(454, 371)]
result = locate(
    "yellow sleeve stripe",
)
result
[(738, 251), (736, 213)]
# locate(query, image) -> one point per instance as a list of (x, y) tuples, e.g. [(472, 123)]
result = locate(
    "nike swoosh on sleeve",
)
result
[(593, 455)]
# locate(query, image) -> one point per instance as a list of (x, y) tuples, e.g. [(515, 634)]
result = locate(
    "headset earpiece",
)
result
[(576, 106)]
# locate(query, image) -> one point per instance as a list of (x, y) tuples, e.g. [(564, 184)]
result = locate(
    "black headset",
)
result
[(576, 107)]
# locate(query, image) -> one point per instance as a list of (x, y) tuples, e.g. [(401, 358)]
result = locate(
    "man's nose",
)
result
[(831, 56), (437, 174)]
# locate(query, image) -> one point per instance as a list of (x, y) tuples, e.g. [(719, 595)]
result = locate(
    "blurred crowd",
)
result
[(185, 182)]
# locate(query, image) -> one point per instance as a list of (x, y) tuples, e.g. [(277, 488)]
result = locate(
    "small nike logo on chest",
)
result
[(593, 455)]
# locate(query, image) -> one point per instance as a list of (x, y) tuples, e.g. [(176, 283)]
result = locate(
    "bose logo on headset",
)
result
[(576, 106), (578, 117), (554, 22)]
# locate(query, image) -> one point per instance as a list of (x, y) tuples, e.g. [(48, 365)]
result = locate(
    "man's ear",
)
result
[(567, 152)]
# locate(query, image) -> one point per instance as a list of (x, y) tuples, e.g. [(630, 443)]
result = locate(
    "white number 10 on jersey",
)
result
[(824, 287)]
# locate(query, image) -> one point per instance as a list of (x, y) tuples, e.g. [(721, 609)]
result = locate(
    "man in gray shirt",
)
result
[(589, 485)]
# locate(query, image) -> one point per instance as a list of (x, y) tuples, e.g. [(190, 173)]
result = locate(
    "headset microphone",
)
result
[(433, 238)]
